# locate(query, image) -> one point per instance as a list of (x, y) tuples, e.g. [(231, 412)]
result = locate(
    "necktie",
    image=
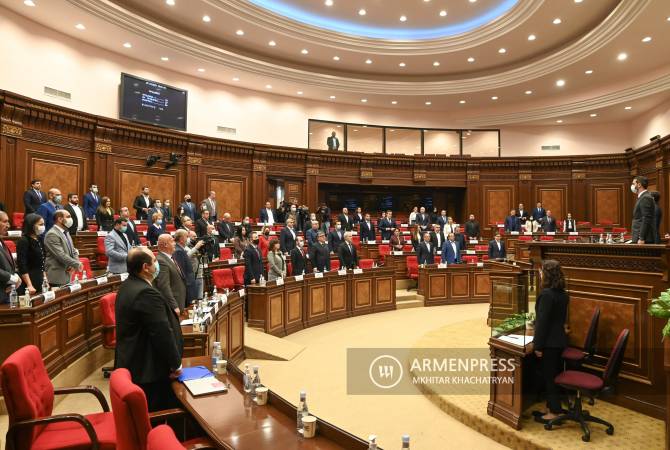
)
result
[(68, 239), (177, 265)]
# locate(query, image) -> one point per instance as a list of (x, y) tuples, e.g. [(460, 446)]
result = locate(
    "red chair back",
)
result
[(470, 259), (546, 238), (485, 258), (131, 414), (482, 248), (334, 264), (223, 279), (170, 227), (572, 238), (11, 246), (140, 227), (28, 391), (412, 267), (143, 240), (597, 230), (525, 238), (163, 438), (17, 220), (384, 249), (238, 276), (93, 227), (87, 269), (107, 304), (619, 230), (407, 248), (366, 263), (356, 241), (225, 253), (289, 269)]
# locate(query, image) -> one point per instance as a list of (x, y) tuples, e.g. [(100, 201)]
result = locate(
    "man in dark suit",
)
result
[(347, 253), (202, 223), (182, 259), (253, 261), (77, 213), (426, 252), (149, 342), (267, 214), (569, 224), (298, 258), (8, 275), (437, 237), (451, 254), (643, 226), (497, 248), (319, 254), (422, 219), (538, 212), (287, 237), (472, 229), (170, 281), (335, 237), (522, 214), (188, 207), (226, 229), (142, 204), (387, 225), (33, 197), (458, 237), (367, 229), (512, 222), (442, 220), (91, 202), (358, 216), (333, 142), (345, 220), (131, 231), (312, 234), (548, 223)]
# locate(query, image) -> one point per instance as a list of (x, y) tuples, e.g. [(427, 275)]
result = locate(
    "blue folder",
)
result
[(193, 373)]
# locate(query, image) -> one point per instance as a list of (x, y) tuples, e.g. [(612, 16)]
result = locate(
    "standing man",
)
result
[(643, 227), (443, 219), (422, 219), (358, 216), (117, 246), (345, 220), (333, 142), (91, 202), (287, 237), (426, 250), (512, 222), (33, 197), (335, 237), (253, 261), (472, 229), (226, 229), (497, 248), (61, 257), (367, 229), (458, 237), (77, 213), (298, 258), (522, 214), (49, 208), (388, 225), (538, 212), (142, 204), (267, 214), (437, 237), (312, 234), (324, 211), (347, 253), (569, 224), (148, 336), (170, 281), (131, 232), (210, 204), (188, 207), (319, 254), (202, 223), (451, 254), (549, 223), (181, 257), (8, 276)]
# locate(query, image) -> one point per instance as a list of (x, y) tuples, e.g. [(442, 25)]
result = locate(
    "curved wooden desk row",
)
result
[(233, 421), (285, 309)]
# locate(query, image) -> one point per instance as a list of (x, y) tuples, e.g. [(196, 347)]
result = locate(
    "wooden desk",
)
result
[(285, 309), (454, 284), (398, 263), (233, 421)]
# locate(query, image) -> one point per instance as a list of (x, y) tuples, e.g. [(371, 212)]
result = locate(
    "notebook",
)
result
[(203, 386), (193, 373)]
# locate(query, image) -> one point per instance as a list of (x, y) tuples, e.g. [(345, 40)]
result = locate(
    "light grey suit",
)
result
[(170, 282), (116, 249), (60, 256), (211, 207), (277, 266)]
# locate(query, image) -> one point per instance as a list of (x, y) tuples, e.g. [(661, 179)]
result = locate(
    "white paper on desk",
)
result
[(354, 233), (232, 261), (357, 271), (206, 309), (124, 276), (528, 233), (237, 224), (397, 253), (384, 241), (280, 281), (102, 233), (241, 291), (405, 232), (516, 339), (186, 322), (221, 245), (550, 233), (75, 287), (202, 386), (137, 222), (513, 232), (480, 264), (14, 233), (342, 272), (101, 280), (442, 266), (469, 252), (574, 233), (439, 252), (298, 278), (318, 274), (474, 241), (273, 233), (403, 225), (48, 296)]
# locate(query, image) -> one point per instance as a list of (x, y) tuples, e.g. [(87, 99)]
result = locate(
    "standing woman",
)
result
[(104, 215), (240, 241), (264, 241), (551, 310), (156, 228), (276, 263), (416, 237), (412, 215), (30, 255), (396, 240)]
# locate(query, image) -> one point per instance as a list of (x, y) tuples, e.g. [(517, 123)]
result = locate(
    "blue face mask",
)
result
[(124, 229), (158, 270), (159, 221)]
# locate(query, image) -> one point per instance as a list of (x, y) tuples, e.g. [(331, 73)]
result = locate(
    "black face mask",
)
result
[(188, 200), (267, 233), (256, 241)]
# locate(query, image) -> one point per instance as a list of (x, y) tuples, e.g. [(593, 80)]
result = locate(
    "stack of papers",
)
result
[(200, 381)]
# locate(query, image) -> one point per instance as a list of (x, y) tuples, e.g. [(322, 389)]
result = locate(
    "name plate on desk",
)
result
[(357, 271), (216, 308), (354, 233), (404, 225), (124, 276), (14, 233), (102, 233), (397, 253), (574, 233), (439, 252), (232, 261), (299, 277), (384, 241), (442, 266), (48, 296), (528, 233), (101, 280), (280, 281), (221, 245), (75, 287), (405, 232), (480, 264), (550, 233), (273, 233), (318, 274), (137, 222), (14, 255), (204, 266), (342, 272), (372, 241), (514, 232), (469, 252), (501, 225), (474, 241), (241, 291), (237, 224)]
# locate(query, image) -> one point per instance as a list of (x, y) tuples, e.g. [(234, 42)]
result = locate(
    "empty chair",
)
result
[(223, 279), (407, 248), (100, 252), (619, 230), (597, 230), (485, 258), (572, 238), (481, 248), (163, 438), (141, 228), (384, 250), (412, 267), (523, 238), (289, 269), (170, 227), (546, 238), (366, 263), (238, 276), (93, 227), (17, 220), (225, 253), (334, 264), (86, 270), (356, 240), (29, 396), (470, 259), (143, 240), (576, 356), (108, 314)]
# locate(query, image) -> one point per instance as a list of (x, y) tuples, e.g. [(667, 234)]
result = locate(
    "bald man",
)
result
[(49, 208), (171, 281)]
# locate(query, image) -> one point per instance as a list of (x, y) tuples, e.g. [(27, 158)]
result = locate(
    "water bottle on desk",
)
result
[(45, 286), (262, 280), (405, 442), (215, 295), (256, 383), (216, 355), (84, 277), (303, 411), (372, 442), (13, 298), (247, 379)]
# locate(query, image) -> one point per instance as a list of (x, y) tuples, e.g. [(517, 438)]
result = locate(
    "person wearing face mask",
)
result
[(30, 255), (569, 224), (335, 237), (131, 232), (49, 208), (189, 207), (142, 204), (226, 229), (157, 208), (246, 223), (117, 246), (91, 202), (287, 237), (253, 262), (104, 216), (62, 258), (644, 223), (240, 242), (264, 241), (167, 210), (8, 275), (77, 214), (291, 213), (156, 229), (149, 342), (276, 261)]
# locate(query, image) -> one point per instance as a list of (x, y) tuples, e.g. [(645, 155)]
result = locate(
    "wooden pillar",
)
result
[(473, 203), (661, 185), (258, 193), (578, 205), (11, 131), (312, 183), (101, 170), (526, 195), (194, 154)]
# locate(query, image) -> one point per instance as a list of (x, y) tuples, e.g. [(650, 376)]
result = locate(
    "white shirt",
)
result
[(439, 240), (639, 194), (80, 217), (292, 232), (271, 217), (498, 243)]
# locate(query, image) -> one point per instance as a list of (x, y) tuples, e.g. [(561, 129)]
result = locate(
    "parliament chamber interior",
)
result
[(422, 224)]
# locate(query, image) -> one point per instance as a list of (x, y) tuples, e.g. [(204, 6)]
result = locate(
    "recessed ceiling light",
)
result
[(80, 26), (428, 103), (588, 72), (471, 59), (304, 51), (394, 102), (272, 43), (29, 2), (268, 86), (164, 58), (362, 12), (593, 115), (502, 50), (127, 45), (528, 92), (403, 18), (646, 39), (201, 70), (557, 21), (622, 56), (236, 79), (531, 37), (578, 1), (364, 100), (329, 2), (668, 19), (443, 13), (628, 108), (332, 97), (402, 64), (240, 32), (436, 63), (462, 102), (206, 18), (494, 98), (368, 61), (169, 2), (299, 92), (336, 58), (472, 1), (560, 83), (559, 121)]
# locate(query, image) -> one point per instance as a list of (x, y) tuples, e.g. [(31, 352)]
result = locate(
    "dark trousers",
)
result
[(160, 395), (551, 365)]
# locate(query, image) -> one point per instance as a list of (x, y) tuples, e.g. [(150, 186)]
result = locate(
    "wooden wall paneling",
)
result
[(293, 191), (258, 183), (578, 194), (63, 169), (498, 201), (607, 203), (473, 204), (236, 337), (230, 194), (129, 179), (554, 198), (525, 186)]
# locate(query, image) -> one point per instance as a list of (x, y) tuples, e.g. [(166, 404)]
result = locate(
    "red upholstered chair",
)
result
[(357, 241), (606, 222), (408, 248), (225, 253), (334, 264), (597, 230), (583, 224), (383, 251), (108, 313), (11, 246), (143, 240), (162, 438), (238, 276), (29, 396), (523, 238), (575, 356), (470, 259), (223, 279), (289, 269), (572, 239), (170, 227), (585, 384), (481, 248), (485, 258), (17, 220), (87, 269), (93, 227), (101, 254), (141, 227), (619, 230), (412, 267), (366, 263), (546, 238)]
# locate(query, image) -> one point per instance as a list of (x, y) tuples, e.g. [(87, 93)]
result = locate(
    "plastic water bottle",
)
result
[(247, 379), (45, 286), (405, 441), (256, 383), (372, 442), (262, 280), (76, 280), (303, 411), (13, 298), (216, 355), (215, 296), (84, 277)]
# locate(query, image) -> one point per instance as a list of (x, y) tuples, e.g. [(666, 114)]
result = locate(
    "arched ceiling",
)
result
[(485, 62)]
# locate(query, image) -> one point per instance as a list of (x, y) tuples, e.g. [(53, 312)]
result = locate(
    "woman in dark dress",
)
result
[(104, 215), (551, 310), (156, 228), (417, 237), (30, 255)]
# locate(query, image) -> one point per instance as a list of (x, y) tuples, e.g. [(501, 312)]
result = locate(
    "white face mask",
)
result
[(39, 230), (633, 189), (68, 222)]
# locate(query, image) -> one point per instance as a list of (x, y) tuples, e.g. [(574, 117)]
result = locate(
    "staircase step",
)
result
[(404, 304)]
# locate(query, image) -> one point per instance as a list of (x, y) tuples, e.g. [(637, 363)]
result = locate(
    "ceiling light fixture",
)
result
[(532, 37), (436, 63), (462, 102), (628, 108), (403, 18), (201, 70), (560, 83), (443, 13), (362, 12), (578, 1), (494, 97), (471, 59), (588, 72), (336, 58), (646, 39), (127, 45), (240, 32), (428, 103), (29, 2), (236, 79), (622, 56), (268, 86), (332, 97), (299, 92), (164, 58), (364, 100), (593, 115), (528, 92), (272, 43), (472, 1), (80, 26), (328, 2), (368, 61), (304, 51), (559, 121), (169, 2), (502, 50), (394, 102), (206, 18), (557, 21), (402, 64)]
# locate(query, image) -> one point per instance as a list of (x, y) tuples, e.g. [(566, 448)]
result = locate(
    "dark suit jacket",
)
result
[(658, 215), (551, 310), (434, 240), (442, 221), (184, 263), (333, 143), (286, 240), (31, 201), (494, 253), (131, 233), (644, 221), (319, 255), (138, 204), (75, 224), (358, 218), (253, 264), (538, 213), (298, 262), (7, 269), (201, 227), (386, 227), (346, 222), (367, 231), (226, 231), (472, 229), (512, 223), (523, 215), (91, 204), (569, 225), (334, 240), (190, 209), (548, 224), (264, 215), (348, 259), (422, 220), (448, 254), (460, 240), (170, 282), (311, 236), (149, 342), (425, 256), (153, 233)]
